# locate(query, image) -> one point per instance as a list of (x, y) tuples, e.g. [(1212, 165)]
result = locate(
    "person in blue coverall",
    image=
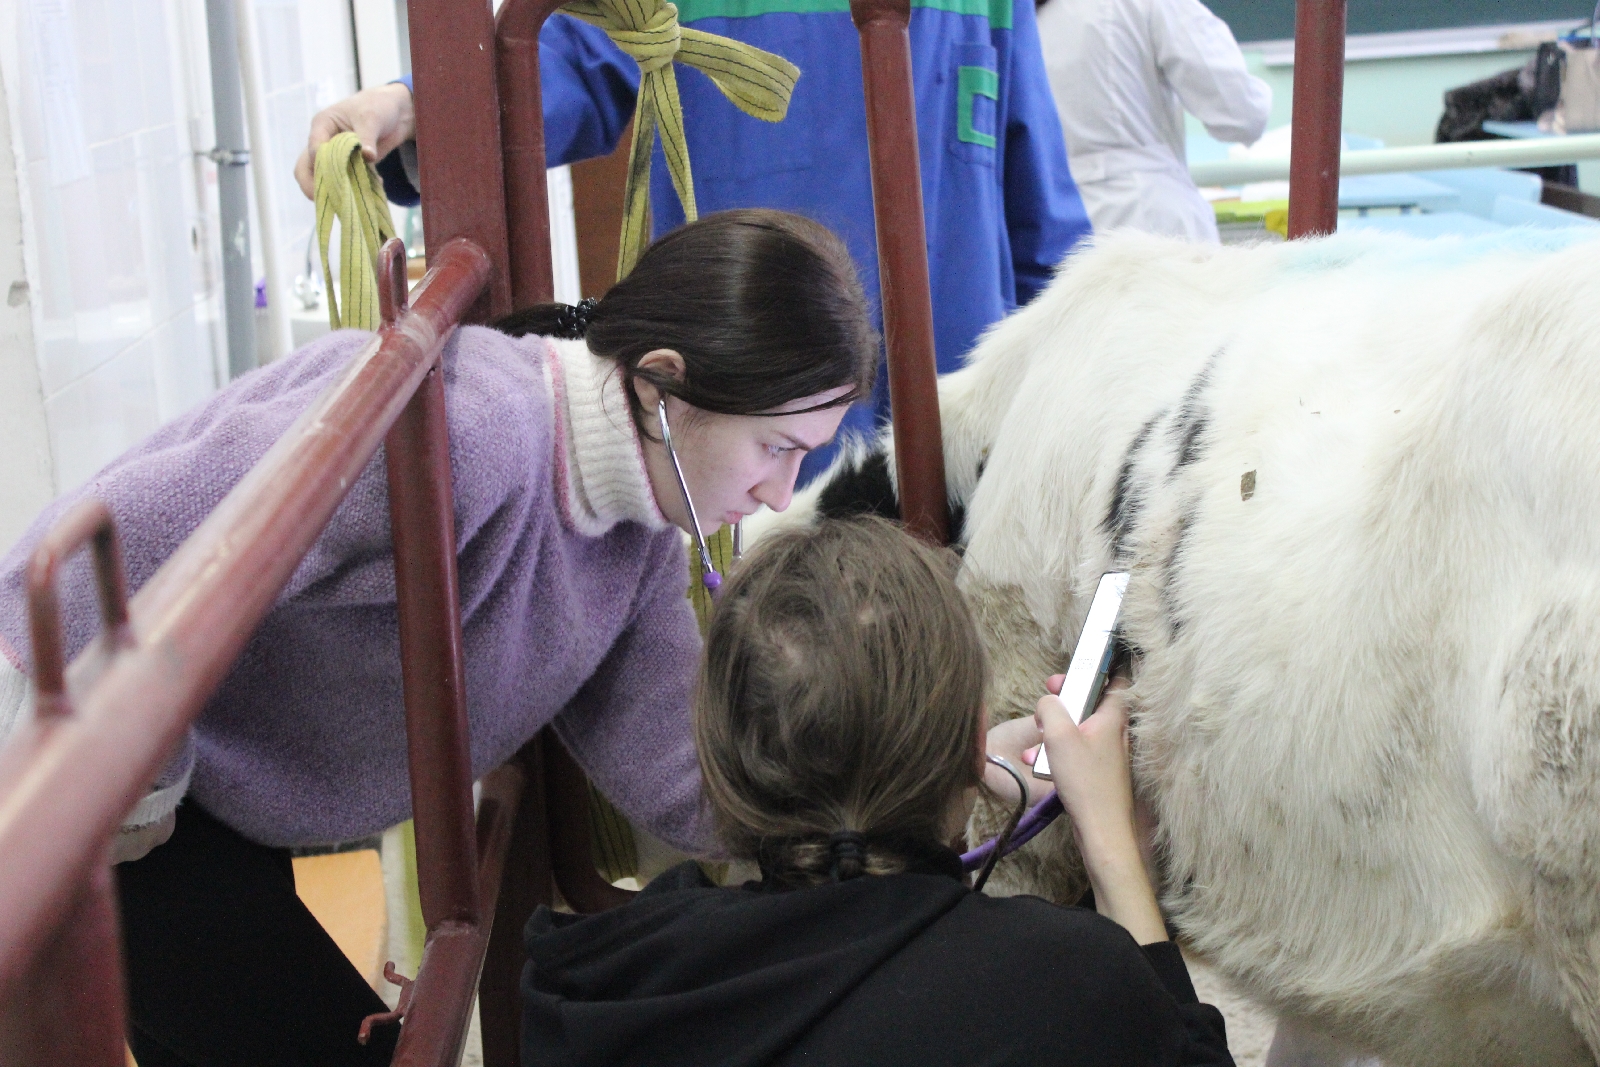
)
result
[(1000, 204)]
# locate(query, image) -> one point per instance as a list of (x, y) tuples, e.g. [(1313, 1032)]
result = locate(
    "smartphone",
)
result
[(1094, 658)]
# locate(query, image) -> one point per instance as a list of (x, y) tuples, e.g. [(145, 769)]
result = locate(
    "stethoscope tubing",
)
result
[(1037, 818), (708, 571)]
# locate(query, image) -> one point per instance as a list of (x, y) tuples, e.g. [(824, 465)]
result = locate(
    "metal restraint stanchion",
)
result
[(903, 264), (1318, 114)]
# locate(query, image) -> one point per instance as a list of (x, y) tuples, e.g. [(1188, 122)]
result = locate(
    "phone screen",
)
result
[(1092, 658)]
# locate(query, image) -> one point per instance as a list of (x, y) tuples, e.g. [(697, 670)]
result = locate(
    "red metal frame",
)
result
[(903, 264), (1318, 112), (113, 718)]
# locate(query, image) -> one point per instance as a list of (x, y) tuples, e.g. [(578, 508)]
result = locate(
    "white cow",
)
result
[(1357, 482)]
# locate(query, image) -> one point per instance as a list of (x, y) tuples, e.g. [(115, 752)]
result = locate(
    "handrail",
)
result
[(66, 779), (1540, 152)]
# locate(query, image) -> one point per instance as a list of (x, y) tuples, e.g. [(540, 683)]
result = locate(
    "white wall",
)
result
[(115, 325), (307, 61), (117, 233), (25, 469), (108, 217)]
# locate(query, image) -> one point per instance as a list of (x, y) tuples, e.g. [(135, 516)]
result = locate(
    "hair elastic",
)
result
[(572, 321), (846, 845)]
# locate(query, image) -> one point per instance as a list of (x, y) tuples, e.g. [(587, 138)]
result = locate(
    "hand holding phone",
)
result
[(1094, 657)]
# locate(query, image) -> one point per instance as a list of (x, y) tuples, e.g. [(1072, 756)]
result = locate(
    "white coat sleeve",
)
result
[(1198, 56)]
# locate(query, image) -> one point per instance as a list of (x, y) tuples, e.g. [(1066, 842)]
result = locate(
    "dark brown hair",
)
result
[(765, 308), (840, 691)]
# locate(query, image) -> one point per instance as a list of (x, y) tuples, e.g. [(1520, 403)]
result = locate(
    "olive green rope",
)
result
[(347, 189), (758, 83)]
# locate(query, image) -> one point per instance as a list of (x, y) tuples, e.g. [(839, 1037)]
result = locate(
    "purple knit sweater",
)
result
[(572, 598)]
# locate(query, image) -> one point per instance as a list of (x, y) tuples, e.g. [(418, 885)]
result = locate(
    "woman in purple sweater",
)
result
[(749, 325)]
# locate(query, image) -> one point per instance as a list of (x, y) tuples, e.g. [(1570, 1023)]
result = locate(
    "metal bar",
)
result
[(64, 785), (233, 194), (88, 522), (1541, 152), (522, 149), (428, 598), (458, 136), (447, 978), (526, 885), (280, 330), (422, 520), (72, 1012), (903, 263), (571, 855), (1318, 117)]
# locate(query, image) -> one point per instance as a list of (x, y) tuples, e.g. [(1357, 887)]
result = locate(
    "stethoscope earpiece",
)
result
[(708, 572)]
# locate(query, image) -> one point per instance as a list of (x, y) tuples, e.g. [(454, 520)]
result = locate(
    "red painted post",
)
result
[(422, 520), (422, 524), (903, 263), (447, 979), (522, 148), (458, 136), (527, 884), (1318, 117), (71, 1014)]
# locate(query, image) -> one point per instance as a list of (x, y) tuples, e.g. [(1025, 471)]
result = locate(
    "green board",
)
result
[(1273, 20)]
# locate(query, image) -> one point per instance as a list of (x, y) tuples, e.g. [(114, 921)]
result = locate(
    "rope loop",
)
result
[(347, 189), (758, 83)]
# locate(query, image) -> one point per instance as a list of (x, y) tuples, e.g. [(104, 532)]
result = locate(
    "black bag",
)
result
[(1498, 98)]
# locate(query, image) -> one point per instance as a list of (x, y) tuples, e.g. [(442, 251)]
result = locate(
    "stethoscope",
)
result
[(1024, 826), (708, 571), (1025, 823)]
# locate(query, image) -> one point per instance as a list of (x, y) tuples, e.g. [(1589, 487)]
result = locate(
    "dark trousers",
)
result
[(227, 968)]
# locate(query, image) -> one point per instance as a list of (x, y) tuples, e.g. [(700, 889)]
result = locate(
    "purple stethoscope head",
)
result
[(708, 571)]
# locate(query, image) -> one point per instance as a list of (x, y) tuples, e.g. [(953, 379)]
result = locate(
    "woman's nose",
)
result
[(777, 489)]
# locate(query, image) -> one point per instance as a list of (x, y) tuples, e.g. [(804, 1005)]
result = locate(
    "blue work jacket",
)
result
[(999, 203)]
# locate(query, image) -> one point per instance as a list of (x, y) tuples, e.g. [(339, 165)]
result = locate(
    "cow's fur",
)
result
[(1368, 689)]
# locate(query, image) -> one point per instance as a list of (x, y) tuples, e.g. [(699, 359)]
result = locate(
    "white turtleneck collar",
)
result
[(603, 479)]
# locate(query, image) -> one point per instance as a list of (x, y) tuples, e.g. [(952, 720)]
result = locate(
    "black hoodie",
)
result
[(910, 968)]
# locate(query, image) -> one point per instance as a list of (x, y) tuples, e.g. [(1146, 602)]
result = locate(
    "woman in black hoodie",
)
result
[(840, 729)]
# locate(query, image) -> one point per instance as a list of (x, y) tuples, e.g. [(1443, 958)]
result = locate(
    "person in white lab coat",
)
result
[(1123, 72)]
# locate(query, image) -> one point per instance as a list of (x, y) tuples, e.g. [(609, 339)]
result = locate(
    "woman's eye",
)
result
[(777, 450)]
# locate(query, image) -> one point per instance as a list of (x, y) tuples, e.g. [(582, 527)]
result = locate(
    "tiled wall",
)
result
[(110, 109), (307, 62), (111, 102)]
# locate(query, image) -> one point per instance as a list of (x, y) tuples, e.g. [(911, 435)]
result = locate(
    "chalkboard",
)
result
[(1273, 20)]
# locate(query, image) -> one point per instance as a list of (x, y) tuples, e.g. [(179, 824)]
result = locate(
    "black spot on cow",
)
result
[(1190, 426), (865, 488), (1170, 570), (1126, 497)]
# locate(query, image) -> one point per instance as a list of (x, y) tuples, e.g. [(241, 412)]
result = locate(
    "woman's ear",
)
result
[(660, 363)]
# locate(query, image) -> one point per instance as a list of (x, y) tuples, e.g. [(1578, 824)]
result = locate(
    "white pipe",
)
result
[(279, 331), (1533, 152)]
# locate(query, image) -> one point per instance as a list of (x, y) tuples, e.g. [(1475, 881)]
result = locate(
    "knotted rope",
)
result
[(347, 189), (758, 83)]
